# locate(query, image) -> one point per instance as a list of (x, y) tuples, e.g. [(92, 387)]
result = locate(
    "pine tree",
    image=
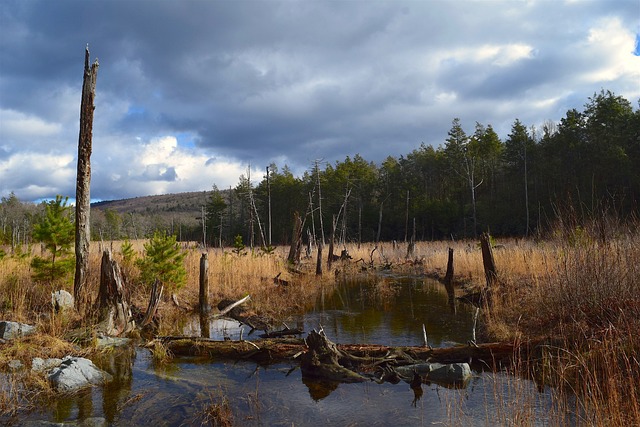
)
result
[(163, 260), (56, 232)]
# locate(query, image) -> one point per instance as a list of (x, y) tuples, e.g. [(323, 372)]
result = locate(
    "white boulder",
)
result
[(10, 330), (74, 373), (61, 300)]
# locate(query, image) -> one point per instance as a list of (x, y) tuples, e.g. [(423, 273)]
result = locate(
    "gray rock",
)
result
[(39, 364), (15, 365), (75, 373), (436, 372), (449, 373), (61, 300), (10, 330)]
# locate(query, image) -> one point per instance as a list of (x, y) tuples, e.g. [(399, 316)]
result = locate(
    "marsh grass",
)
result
[(216, 411), (23, 390), (581, 289)]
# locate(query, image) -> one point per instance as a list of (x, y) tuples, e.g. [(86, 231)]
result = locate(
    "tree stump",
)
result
[(448, 282), (322, 361), (113, 309)]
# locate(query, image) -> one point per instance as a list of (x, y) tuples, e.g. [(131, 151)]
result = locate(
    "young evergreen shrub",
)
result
[(56, 231), (163, 260), (238, 246), (127, 251)]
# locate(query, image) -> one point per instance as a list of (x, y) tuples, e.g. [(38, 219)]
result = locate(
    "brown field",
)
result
[(585, 295)]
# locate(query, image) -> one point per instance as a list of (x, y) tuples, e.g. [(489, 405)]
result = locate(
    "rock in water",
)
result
[(449, 373), (75, 373)]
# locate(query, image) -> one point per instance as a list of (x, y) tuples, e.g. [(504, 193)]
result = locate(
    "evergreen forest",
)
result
[(583, 168)]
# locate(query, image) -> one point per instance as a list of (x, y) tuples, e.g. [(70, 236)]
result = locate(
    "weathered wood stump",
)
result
[(322, 360), (113, 308)]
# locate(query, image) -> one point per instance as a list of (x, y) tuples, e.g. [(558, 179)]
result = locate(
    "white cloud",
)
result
[(158, 166), (18, 125), (610, 46), (500, 55), (46, 175), (288, 82)]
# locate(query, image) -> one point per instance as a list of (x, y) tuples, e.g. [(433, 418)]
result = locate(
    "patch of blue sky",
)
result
[(71, 202), (636, 51), (136, 110), (186, 139)]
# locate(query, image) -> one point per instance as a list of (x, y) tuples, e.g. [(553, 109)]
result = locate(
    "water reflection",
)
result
[(390, 311)]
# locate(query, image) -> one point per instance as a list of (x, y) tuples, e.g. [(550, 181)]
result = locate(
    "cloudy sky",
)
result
[(189, 93)]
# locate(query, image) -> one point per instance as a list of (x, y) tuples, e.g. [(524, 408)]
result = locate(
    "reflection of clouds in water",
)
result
[(219, 329)]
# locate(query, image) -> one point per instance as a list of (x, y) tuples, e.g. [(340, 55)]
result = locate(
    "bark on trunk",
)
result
[(115, 314), (330, 255), (154, 301), (204, 284), (296, 240), (448, 282), (323, 360), (487, 260), (83, 179), (319, 260)]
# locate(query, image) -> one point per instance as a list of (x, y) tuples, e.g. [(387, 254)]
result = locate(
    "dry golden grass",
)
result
[(583, 290), (217, 411)]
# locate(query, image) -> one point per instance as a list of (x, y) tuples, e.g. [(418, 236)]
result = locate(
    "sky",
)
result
[(192, 94)]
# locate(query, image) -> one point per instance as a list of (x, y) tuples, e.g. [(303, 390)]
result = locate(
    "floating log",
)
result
[(277, 350), (282, 333), (264, 351)]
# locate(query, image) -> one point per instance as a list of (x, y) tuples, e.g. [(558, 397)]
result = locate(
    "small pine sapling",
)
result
[(163, 260)]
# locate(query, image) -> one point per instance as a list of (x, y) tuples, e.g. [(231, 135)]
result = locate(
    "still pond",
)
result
[(387, 310)]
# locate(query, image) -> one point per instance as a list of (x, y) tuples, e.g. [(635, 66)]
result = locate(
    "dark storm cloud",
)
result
[(293, 81)]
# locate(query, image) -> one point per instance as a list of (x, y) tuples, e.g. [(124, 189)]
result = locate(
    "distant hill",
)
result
[(186, 207), (177, 203)]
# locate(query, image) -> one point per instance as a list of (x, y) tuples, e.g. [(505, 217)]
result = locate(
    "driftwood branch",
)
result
[(232, 306)]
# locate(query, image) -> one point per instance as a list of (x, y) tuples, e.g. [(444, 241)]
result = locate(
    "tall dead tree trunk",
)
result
[(83, 179), (296, 240)]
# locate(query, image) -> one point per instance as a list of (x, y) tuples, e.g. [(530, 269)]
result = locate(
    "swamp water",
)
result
[(388, 311)]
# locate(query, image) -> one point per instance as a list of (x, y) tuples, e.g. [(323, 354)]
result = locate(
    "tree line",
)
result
[(585, 166)]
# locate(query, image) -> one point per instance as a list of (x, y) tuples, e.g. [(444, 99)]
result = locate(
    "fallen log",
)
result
[(277, 350), (264, 351)]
